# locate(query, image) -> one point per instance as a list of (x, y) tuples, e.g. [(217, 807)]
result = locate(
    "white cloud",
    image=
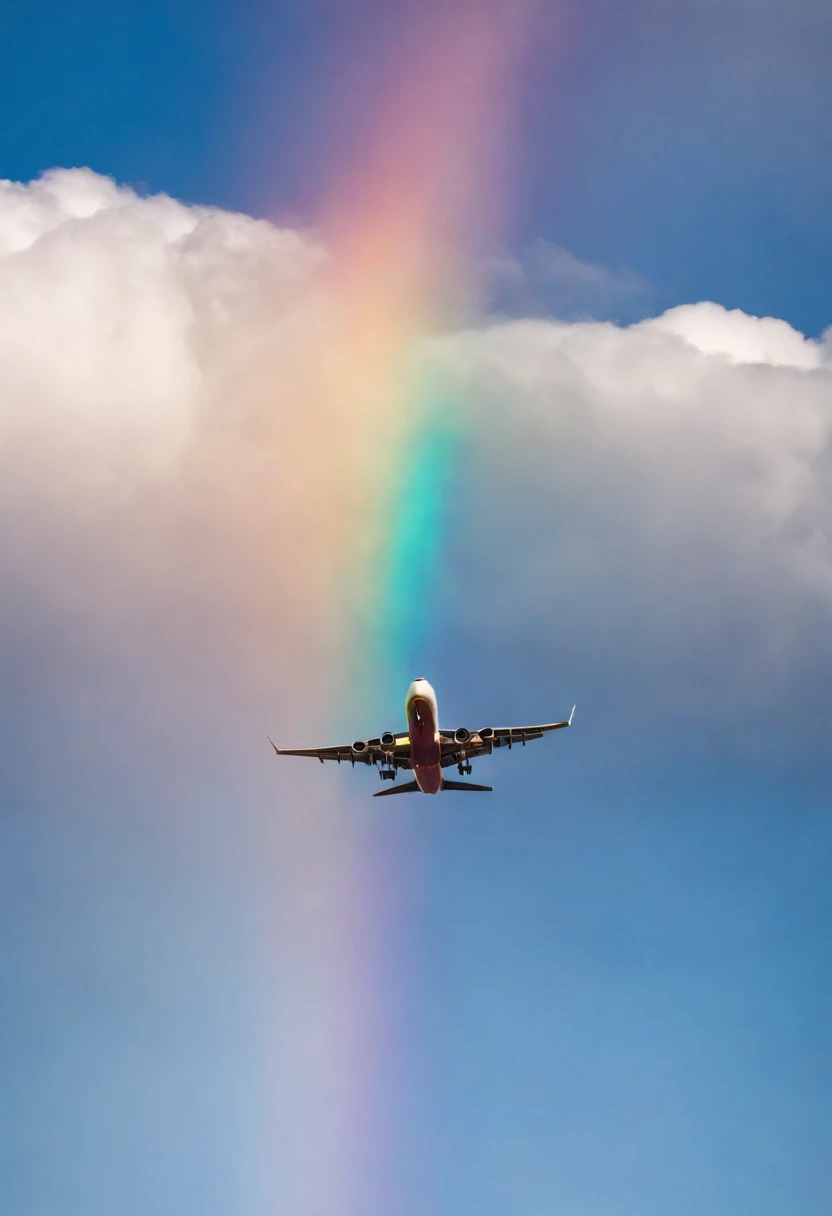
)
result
[(652, 515), (151, 498), (714, 330), (652, 501)]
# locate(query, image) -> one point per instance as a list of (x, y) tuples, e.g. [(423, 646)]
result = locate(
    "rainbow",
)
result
[(425, 195), (400, 231)]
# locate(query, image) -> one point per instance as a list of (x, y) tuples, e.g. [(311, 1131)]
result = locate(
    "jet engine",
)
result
[(462, 735), (487, 732), (388, 739), (359, 747)]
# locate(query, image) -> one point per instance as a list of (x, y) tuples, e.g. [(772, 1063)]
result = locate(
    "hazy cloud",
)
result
[(653, 503), (546, 280)]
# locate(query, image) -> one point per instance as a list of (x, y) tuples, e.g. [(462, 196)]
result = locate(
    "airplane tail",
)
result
[(467, 785), (409, 787)]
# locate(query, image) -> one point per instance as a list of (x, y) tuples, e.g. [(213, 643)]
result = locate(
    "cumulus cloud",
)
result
[(713, 330), (653, 504), (155, 524), (646, 506)]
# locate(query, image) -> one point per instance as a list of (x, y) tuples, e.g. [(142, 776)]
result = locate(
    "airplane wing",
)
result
[(393, 751), (373, 750), (483, 742), (507, 736)]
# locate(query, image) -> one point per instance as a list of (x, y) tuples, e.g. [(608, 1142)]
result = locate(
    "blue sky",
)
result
[(683, 139), (605, 991)]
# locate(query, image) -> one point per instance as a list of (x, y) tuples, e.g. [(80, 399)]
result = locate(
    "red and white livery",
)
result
[(426, 750)]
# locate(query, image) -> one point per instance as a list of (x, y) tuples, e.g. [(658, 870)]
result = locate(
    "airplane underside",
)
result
[(426, 750)]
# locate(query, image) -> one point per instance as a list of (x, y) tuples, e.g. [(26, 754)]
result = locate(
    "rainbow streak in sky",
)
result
[(401, 230), (426, 192)]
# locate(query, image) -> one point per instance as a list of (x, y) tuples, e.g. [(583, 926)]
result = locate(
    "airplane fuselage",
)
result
[(425, 741)]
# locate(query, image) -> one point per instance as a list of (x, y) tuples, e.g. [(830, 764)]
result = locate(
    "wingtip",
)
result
[(572, 715), (274, 745)]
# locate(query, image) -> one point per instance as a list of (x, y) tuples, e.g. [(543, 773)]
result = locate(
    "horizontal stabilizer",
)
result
[(466, 785), (409, 787)]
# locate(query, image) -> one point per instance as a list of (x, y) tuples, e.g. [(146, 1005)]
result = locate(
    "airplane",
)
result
[(425, 749)]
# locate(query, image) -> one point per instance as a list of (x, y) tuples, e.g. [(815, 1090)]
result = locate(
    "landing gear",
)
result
[(464, 769), (387, 774)]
